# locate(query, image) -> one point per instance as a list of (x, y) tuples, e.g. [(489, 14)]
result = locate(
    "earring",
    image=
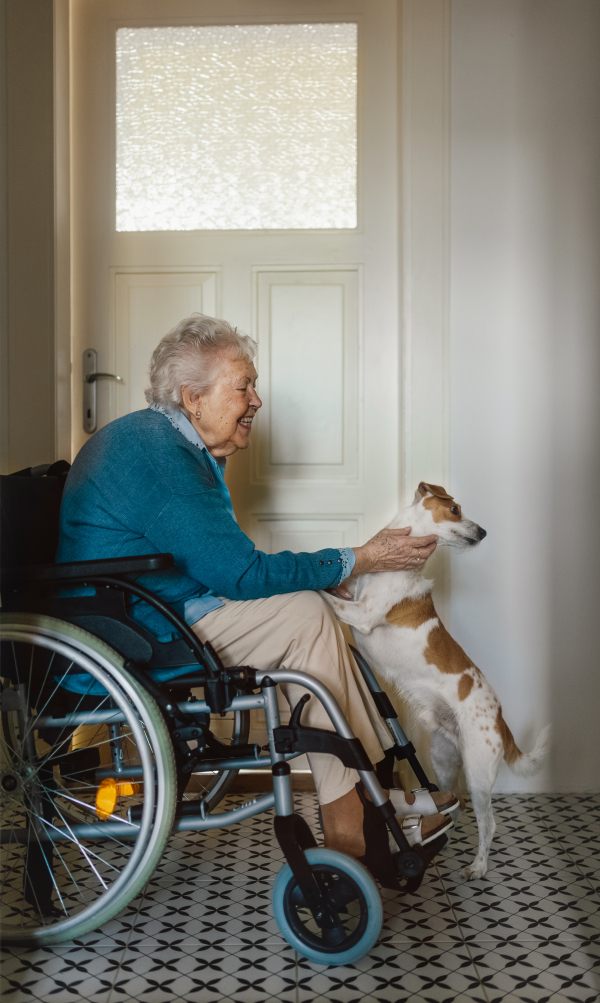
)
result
[(197, 414)]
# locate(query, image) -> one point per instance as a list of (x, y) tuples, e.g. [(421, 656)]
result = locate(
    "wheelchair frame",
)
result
[(25, 590)]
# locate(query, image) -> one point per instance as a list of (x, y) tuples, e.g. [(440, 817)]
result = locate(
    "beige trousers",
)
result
[(299, 631)]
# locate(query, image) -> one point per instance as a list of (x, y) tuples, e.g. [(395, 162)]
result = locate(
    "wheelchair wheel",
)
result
[(81, 744), (354, 897), (231, 728)]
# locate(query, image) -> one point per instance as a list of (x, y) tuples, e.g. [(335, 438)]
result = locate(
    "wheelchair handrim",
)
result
[(100, 668)]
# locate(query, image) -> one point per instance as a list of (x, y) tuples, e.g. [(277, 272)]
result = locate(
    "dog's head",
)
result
[(437, 512)]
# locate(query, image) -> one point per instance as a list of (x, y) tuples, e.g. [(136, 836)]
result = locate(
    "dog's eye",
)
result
[(454, 510)]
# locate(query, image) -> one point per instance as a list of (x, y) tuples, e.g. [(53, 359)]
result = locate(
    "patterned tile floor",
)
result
[(203, 931)]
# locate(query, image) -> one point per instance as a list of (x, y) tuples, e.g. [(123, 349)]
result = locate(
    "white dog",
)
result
[(396, 628)]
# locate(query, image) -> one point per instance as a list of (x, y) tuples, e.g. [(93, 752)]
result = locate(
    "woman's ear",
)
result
[(190, 401)]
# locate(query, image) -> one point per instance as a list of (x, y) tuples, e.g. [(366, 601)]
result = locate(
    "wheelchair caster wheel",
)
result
[(355, 900)]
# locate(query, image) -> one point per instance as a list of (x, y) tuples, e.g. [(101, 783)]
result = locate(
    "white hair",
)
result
[(190, 355)]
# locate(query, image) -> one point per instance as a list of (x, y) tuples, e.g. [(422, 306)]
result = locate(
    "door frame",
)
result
[(63, 334)]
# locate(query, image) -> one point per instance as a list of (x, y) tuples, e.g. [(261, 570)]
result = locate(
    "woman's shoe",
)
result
[(420, 830), (424, 802), (381, 847)]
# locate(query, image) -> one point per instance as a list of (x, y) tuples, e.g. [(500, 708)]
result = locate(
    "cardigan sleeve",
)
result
[(212, 549)]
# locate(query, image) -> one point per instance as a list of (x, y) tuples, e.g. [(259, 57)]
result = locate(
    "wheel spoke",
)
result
[(29, 681), (71, 876), (74, 711), (92, 809), (82, 849), (51, 873), (85, 876), (57, 686)]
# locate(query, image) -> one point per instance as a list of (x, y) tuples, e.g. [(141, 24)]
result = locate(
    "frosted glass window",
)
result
[(236, 127)]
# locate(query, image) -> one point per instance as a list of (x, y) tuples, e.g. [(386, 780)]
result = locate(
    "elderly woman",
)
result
[(153, 481)]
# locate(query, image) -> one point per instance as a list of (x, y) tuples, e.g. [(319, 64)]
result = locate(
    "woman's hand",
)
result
[(393, 550)]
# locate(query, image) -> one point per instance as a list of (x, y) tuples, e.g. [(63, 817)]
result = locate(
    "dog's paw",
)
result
[(477, 869)]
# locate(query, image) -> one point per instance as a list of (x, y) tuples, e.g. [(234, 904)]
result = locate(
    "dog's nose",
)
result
[(481, 533)]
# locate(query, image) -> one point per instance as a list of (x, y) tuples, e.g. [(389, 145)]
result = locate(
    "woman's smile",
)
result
[(215, 415)]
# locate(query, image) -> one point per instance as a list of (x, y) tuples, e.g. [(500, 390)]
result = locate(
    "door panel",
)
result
[(145, 303), (308, 364)]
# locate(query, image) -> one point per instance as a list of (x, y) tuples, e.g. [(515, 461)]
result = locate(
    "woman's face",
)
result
[(227, 411)]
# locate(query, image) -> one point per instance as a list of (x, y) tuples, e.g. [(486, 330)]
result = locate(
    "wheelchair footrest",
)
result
[(427, 854), (401, 871)]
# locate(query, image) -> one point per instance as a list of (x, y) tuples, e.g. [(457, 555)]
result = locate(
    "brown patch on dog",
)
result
[(412, 612), (440, 509), (443, 652), (511, 750), (433, 489), (465, 685)]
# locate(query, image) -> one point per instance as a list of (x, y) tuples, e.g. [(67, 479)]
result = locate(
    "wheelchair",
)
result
[(111, 741)]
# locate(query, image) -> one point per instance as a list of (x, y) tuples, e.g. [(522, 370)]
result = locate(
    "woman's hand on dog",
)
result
[(389, 550), (393, 550)]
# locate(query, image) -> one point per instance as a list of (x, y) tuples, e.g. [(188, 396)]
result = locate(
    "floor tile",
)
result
[(394, 972), (203, 930), (533, 889), (61, 973), (540, 971)]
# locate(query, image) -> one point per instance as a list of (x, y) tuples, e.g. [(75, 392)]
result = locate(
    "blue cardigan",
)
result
[(139, 487)]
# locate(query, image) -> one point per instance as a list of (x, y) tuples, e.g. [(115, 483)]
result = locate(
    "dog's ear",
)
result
[(431, 489)]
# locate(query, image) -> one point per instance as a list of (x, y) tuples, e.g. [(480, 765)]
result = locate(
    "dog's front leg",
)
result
[(357, 614)]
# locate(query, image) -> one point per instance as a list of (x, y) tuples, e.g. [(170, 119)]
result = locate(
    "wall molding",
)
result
[(62, 230), (424, 81), (425, 155)]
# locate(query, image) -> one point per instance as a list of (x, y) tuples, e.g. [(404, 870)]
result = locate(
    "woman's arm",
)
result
[(193, 524), (212, 549)]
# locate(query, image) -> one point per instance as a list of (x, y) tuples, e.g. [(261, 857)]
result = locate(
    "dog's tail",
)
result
[(523, 764)]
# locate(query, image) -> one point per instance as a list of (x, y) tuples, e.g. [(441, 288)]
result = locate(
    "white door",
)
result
[(240, 159)]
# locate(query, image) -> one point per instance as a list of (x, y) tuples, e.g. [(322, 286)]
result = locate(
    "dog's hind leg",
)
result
[(481, 772), (446, 761)]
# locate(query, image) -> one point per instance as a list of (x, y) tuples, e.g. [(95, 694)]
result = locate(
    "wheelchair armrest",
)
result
[(83, 570)]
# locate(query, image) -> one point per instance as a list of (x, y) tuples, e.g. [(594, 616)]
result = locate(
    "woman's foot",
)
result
[(421, 829), (343, 825), (423, 802)]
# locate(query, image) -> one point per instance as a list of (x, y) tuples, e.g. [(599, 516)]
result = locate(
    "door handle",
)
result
[(90, 378), (102, 376)]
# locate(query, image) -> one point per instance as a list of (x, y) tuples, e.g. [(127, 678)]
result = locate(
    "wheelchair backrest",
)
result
[(30, 507)]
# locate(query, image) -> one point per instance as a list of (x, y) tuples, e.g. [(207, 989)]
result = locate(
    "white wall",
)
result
[(525, 350)]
